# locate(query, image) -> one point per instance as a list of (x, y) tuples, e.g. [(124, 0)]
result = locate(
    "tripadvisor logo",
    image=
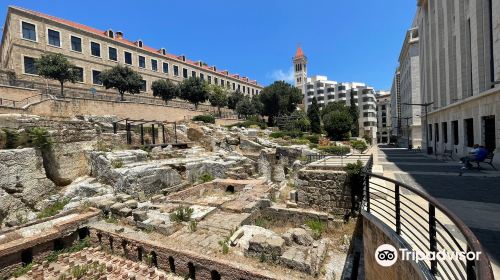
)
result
[(386, 255)]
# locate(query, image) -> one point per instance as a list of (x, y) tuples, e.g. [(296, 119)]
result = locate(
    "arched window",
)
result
[(230, 189), (215, 275), (154, 259), (192, 271), (111, 243), (171, 264), (139, 253), (26, 257), (58, 244), (83, 232)]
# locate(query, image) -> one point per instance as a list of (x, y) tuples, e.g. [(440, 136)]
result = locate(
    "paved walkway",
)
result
[(474, 196)]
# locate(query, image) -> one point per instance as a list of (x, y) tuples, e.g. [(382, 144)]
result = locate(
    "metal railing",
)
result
[(86, 94), (317, 157), (427, 226), (23, 102)]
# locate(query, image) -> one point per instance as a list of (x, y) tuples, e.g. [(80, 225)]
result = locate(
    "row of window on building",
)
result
[(488, 123), (54, 39)]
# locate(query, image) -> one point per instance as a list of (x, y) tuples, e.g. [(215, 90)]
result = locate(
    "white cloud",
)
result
[(281, 75)]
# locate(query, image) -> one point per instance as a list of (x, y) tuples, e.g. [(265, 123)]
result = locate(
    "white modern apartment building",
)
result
[(409, 118), (384, 120), (363, 96), (460, 73)]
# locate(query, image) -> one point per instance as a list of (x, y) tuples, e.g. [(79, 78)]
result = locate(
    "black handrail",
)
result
[(474, 269)]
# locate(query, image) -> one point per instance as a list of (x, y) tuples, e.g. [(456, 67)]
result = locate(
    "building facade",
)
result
[(409, 84), (29, 34), (362, 95), (396, 104), (460, 73), (300, 70), (384, 120)]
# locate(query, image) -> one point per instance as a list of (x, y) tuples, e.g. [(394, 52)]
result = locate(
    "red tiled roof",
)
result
[(299, 52), (121, 40)]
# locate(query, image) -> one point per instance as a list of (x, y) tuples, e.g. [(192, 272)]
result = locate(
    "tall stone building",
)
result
[(460, 73), (300, 69), (28, 34), (384, 119), (409, 83), (396, 104)]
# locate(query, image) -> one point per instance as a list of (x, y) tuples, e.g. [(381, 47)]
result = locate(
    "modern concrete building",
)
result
[(362, 95), (29, 34), (460, 73), (409, 83), (384, 120)]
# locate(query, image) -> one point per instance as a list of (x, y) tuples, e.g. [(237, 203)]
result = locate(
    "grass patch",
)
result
[(262, 222), (53, 209), (287, 133), (22, 270), (193, 226), (317, 227), (117, 163)]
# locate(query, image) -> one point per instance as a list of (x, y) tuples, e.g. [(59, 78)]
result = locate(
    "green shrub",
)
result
[(206, 177), (250, 124), (313, 138), (261, 222), (368, 139), (204, 118), (317, 227), (181, 214), (355, 178), (359, 145), (53, 209), (313, 146), (40, 138), (22, 270), (335, 150), (289, 133), (225, 247), (299, 141), (11, 137)]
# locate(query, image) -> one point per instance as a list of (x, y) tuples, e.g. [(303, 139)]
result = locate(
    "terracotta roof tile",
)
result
[(121, 40)]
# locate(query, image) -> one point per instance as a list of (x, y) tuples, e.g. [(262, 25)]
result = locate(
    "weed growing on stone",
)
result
[(53, 209), (206, 177), (262, 257), (193, 226), (22, 270), (181, 214), (117, 163), (11, 137), (40, 138), (111, 219), (225, 247), (317, 227)]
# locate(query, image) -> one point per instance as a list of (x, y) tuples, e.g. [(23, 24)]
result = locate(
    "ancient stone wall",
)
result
[(374, 235), (16, 93), (324, 190), (182, 263)]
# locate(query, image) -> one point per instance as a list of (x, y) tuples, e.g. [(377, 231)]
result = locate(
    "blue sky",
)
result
[(346, 40)]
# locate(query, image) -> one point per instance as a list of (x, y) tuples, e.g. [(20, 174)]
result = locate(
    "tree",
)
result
[(338, 124), (218, 97), (353, 110), (257, 105), (301, 122), (245, 107), (56, 66), (234, 98), (280, 98), (165, 89), (123, 78), (194, 90), (313, 115)]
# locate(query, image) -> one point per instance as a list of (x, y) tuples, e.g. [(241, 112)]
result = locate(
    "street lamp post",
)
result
[(425, 105)]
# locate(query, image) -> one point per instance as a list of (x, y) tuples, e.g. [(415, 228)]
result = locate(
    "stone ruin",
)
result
[(254, 211)]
